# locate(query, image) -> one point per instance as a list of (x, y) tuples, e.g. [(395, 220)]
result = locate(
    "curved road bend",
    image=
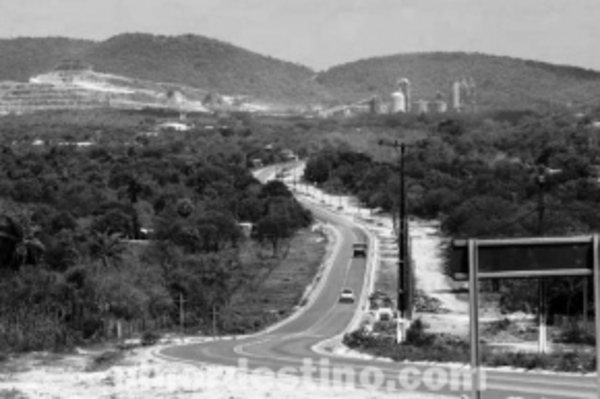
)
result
[(291, 343)]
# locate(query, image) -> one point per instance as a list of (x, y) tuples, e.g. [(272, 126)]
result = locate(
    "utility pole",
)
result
[(404, 272), (543, 331), (181, 315), (214, 322)]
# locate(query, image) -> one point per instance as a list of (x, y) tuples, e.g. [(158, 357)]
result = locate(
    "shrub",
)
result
[(499, 325), (421, 346), (574, 333), (416, 335), (105, 360), (12, 394), (150, 338)]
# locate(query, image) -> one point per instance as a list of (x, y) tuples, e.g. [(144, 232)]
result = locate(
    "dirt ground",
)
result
[(141, 375)]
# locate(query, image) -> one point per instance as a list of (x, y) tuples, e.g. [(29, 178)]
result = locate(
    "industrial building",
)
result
[(461, 92), (464, 95)]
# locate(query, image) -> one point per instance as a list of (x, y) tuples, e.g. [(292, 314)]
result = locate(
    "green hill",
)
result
[(188, 60), (204, 63), (502, 82), (24, 57), (212, 65)]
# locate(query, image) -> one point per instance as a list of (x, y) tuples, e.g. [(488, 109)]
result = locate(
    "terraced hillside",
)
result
[(84, 89)]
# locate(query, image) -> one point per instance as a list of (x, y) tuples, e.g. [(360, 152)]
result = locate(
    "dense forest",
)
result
[(124, 229), (500, 175), (81, 193), (212, 65)]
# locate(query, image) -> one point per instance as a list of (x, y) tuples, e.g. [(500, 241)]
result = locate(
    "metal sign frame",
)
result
[(579, 247), (473, 246)]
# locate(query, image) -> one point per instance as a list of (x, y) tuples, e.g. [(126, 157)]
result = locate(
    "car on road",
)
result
[(359, 250), (347, 296)]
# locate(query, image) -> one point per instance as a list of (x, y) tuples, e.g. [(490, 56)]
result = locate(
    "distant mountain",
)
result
[(215, 66), (501, 82), (188, 60), (204, 63)]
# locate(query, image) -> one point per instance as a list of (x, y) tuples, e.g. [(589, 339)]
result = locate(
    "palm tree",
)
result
[(107, 248), (18, 241)]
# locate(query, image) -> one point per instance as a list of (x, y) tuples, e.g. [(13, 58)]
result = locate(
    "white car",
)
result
[(347, 296)]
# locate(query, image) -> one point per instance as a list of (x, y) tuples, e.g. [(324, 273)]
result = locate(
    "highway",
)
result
[(291, 343)]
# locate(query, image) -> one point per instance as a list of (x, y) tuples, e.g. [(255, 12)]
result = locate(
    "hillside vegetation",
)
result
[(189, 60), (197, 61), (502, 82), (22, 58), (205, 63)]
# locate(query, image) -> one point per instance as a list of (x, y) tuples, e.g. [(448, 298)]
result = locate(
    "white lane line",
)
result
[(240, 349), (334, 306)]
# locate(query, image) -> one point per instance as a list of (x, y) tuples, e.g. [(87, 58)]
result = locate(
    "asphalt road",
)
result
[(290, 345)]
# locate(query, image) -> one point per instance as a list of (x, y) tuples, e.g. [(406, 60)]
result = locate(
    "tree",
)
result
[(107, 248), (19, 242), (117, 219), (275, 188), (317, 170), (274, 229)]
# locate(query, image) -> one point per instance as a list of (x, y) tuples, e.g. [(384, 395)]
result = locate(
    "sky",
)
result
[(323, 33)]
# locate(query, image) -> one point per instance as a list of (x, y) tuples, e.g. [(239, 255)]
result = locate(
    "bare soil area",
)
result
[(138, 374)]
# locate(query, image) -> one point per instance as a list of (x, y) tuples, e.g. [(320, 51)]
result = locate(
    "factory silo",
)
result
[(456, 88), (398, 102), (404, 87)]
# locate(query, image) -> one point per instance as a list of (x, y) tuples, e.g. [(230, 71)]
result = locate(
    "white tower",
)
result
[(404, 87), (456, 88), (398, 102)]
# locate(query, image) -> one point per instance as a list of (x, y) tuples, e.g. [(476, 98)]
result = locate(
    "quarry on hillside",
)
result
[(72, 85)]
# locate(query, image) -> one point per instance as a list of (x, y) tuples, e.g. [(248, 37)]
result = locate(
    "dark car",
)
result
[(359, 250)]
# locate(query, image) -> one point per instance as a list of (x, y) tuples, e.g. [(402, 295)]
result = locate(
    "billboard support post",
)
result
[(542, 315), (597, 306), (529, 258), (474, 318)]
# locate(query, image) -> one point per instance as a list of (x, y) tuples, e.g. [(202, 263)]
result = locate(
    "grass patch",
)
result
[(428, 304), (420, 346), (47, 358), (423, 346), (282, 289), (150, 338), (10, 365), (105, 360), (12, 394), (575, 333), (386, 277), (508, 331)]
